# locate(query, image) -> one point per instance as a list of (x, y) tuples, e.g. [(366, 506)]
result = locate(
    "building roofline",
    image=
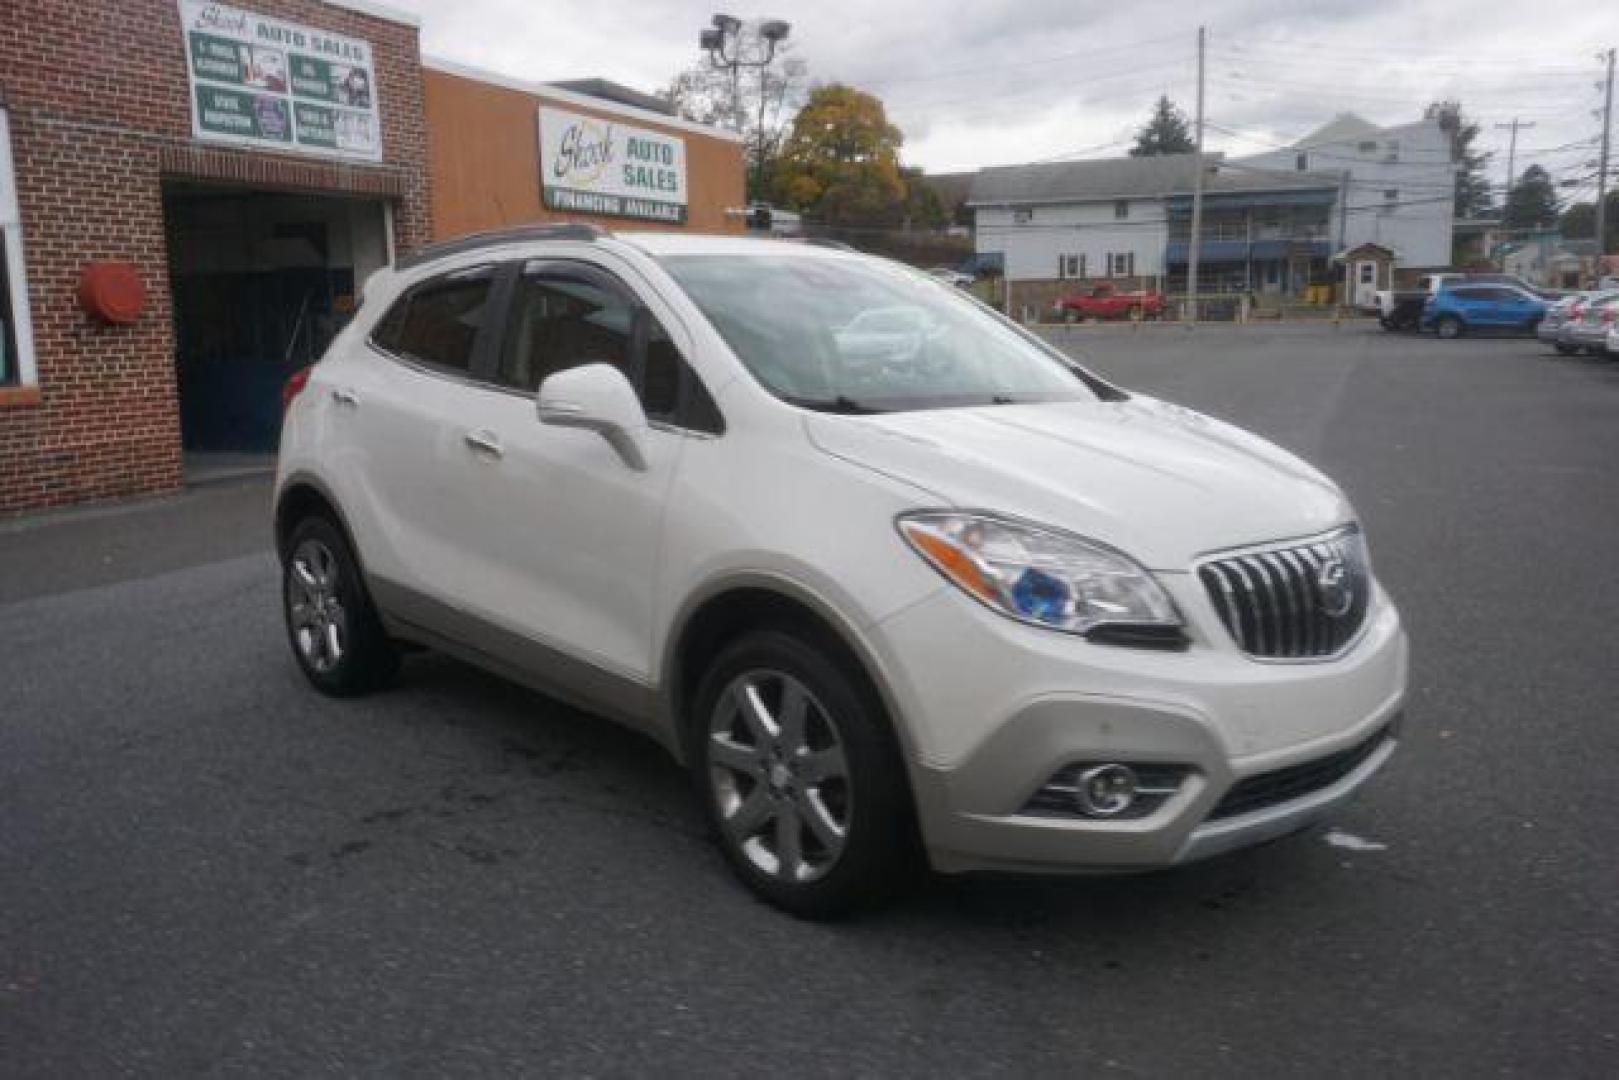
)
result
[(1136, 196), (569, 97), (385, 12)]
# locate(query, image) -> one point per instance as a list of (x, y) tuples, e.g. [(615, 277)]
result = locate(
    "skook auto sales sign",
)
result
[(594, 166), (261, 82)]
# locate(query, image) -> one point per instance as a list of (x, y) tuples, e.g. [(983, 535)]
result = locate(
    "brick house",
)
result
[(192, 194), (101, 163)]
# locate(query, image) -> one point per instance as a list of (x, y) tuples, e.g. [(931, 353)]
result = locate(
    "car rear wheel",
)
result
[(801, 778), (1566, 350), (335, 633), (1134, 314), (1449, 327)]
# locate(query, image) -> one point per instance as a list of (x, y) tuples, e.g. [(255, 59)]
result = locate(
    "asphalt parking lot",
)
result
[(204, 867)]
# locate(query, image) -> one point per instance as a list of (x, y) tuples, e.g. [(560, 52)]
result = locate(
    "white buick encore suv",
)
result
[(933, 592)]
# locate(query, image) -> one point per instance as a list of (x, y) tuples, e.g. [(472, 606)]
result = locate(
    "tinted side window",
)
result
[(438, 322), (660, 393), (386, 332), (441, 324), (561, 322)]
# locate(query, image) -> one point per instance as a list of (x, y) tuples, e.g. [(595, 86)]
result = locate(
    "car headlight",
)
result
[(1044, 577)]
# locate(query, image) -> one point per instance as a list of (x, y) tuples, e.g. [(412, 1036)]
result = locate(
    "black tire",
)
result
[(1449, 327), (364, 658), (879, 849), (1566, 350), (1386, 323), (1532, 328)]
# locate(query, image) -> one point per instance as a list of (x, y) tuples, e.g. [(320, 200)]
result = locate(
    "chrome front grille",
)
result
[(1298, 600)]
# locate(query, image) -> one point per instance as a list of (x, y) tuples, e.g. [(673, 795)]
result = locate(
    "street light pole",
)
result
[(727, 49)]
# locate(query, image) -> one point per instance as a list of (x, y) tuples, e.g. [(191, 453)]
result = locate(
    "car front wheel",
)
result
[(801, 777), (1449, 327)]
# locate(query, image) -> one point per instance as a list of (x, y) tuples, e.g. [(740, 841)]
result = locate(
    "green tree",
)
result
[(840, 164), (924, 209), (1166, 132), (1532, 202), (1579, 221), (1472, 189)]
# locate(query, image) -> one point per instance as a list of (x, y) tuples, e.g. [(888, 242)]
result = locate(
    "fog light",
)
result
[(1105, 790)]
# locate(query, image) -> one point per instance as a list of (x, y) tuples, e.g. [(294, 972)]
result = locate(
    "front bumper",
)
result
[(1024, 703)]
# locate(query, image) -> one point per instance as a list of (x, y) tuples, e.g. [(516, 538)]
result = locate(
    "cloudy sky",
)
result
[(1001, 82)]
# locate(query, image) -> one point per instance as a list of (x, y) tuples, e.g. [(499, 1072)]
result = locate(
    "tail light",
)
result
[(294, 386)]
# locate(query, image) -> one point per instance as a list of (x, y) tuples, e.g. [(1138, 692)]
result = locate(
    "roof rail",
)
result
[(567, 230)]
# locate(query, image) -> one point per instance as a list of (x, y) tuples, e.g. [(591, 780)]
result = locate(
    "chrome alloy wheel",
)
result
[(779, 776), (314, 608)]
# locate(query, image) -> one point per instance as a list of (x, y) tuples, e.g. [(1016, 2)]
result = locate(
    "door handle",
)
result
[(344, 396), (484, 442)]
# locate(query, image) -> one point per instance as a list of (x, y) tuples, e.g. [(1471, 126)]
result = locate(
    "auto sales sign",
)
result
[(594, 166), (275, 85)]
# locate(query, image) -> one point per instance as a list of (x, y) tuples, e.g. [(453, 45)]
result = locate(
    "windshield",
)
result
[(861, 335)]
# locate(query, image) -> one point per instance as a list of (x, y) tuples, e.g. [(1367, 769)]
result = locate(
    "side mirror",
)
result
[(596, 397)]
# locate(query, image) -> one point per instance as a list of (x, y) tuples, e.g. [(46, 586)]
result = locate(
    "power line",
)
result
[(1131, 73), (976, 69)]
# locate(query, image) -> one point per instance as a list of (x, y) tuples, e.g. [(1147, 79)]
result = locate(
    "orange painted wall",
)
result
[(484, 155)]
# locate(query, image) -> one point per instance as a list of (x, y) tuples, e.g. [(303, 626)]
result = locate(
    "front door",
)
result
[(567, 533), (1365, 283)]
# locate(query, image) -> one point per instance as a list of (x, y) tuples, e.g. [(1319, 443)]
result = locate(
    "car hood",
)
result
[(1162, 483)]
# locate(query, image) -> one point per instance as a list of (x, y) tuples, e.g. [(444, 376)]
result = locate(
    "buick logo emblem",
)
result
[(1336, 589)]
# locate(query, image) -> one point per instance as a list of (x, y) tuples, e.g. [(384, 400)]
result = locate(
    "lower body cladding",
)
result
[(1171, 758)]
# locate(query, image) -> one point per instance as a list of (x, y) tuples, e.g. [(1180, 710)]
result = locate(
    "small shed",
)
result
[(1367, 269)]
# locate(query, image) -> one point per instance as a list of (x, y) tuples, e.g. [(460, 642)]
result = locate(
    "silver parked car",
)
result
[(1585, 329), (1557, 317)]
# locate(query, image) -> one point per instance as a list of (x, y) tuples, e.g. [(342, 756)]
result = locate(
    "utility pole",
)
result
[(1602, 164), (1197, 186), (1512, 150)]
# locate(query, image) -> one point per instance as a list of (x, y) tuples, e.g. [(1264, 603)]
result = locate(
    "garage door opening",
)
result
[(262, 282)]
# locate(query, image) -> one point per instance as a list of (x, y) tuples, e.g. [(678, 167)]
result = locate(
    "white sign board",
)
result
[(594, 166), (276, 85)]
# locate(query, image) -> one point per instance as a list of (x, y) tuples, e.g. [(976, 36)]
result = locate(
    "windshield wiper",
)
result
[(843, 403)]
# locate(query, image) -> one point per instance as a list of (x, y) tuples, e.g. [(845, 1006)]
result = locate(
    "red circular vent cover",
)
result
[(112, 291)]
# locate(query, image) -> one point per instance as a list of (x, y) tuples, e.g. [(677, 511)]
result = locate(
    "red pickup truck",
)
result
[(1105, 301)]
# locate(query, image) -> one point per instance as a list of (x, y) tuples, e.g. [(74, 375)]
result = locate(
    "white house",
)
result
[(1272, 223), (1400, 182)]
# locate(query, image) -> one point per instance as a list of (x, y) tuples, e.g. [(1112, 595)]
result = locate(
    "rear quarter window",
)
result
[(438, 321)]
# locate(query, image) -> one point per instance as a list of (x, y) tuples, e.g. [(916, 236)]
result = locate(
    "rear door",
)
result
[(401, 414), (1474, 304)]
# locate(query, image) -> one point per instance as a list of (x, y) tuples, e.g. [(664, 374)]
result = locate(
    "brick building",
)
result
[(191, 196), (106, 166)]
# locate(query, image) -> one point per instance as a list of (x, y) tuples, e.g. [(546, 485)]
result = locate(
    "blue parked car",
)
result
[(1460, 309)]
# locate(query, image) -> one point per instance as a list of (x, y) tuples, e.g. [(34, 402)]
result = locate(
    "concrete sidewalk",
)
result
[(62, 550)]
